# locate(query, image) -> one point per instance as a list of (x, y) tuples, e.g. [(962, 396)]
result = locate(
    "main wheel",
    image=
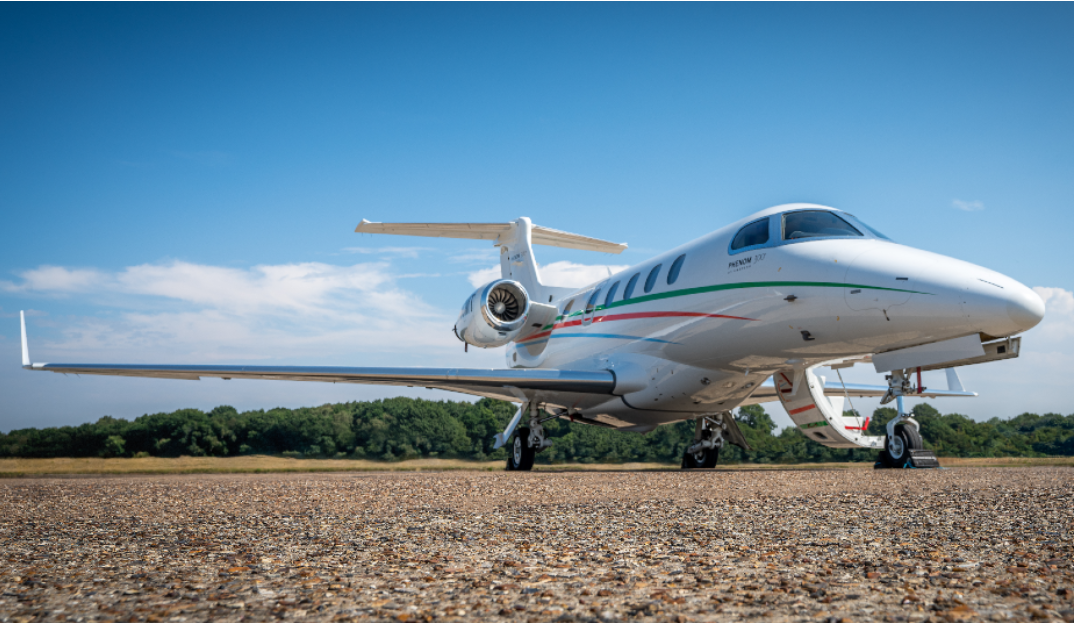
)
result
[(897, 448), (703, 459), (521, 456)]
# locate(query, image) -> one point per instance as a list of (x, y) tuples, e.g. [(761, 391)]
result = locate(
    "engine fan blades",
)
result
[(503, 304)]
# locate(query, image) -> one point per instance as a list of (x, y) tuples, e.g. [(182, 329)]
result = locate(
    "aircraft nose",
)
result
[(1025, 307)]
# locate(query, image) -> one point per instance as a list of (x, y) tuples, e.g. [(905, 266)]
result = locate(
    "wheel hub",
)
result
[(896, 447), (517, 450)]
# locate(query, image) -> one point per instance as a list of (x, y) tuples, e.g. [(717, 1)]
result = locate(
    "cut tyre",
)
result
[(896, 453), (520, 458)]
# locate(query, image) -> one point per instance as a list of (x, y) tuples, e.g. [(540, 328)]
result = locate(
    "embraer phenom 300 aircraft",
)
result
[(741, 316)]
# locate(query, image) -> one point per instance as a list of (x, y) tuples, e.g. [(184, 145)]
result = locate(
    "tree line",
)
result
[(406, 428)]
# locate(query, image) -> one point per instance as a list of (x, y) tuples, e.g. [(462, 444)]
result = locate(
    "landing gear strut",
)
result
[(528, 441), (903, 446), (522, 454), (708, 440)]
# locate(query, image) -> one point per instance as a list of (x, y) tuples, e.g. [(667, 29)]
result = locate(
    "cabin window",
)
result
[(611, 294), (592, 304), (816, 224), (567, 309), (676, 266), (629, 291), (756, 233), (650, 281)]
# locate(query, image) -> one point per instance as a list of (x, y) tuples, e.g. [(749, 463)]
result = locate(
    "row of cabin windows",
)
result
[(628, 292), (796, 225)]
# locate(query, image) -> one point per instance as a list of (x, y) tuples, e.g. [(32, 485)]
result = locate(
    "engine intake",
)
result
[(493, 315)]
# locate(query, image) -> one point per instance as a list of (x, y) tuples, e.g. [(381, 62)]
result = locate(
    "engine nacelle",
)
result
[(494, 314)]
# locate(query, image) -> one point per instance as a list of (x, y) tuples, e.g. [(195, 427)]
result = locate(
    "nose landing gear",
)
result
[(903, 446)]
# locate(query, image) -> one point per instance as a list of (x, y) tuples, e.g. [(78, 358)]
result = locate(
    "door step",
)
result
[(923, 458)]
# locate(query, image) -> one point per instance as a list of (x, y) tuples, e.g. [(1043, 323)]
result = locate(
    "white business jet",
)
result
[(743, 315)]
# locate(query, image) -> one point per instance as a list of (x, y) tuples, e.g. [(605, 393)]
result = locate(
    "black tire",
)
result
[(706, 459), (897, 455), (520, 455)]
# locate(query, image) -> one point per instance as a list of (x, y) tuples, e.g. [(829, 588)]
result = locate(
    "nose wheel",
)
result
[(899, 448), (903, 446)]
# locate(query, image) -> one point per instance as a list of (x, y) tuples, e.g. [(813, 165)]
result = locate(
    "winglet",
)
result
[(25, 349), (953, 382)]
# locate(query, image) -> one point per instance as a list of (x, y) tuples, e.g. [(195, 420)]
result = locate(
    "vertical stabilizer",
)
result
[(517, 261)]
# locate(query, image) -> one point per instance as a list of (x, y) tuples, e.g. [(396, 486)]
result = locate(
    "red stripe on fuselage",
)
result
[(806, 408), (634, 316)]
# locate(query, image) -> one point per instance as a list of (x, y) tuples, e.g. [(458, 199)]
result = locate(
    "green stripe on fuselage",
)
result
[(729, 286)]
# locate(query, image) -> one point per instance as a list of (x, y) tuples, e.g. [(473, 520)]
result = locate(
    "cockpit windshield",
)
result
[(817, 224), (799, 226), (872, 230)]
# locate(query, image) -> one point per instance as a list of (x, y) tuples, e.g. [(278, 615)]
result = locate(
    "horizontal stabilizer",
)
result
[(491, 231), (767, 391)]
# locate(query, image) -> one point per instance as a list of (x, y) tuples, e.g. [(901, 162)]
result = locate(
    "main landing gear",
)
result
[(528, 440), (708, 440), (522, 453)]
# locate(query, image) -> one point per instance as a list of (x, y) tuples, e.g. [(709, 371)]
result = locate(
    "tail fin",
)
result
[(515, 239)]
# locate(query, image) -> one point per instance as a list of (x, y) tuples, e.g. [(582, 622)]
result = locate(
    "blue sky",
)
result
[(180, 183)]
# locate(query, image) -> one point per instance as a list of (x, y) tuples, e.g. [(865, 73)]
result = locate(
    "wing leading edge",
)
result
[(491, 382)]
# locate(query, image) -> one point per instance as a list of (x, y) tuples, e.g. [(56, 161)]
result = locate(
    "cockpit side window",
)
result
[(756, 233), (817, 224)]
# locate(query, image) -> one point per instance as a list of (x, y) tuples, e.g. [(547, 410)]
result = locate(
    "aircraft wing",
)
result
[(492, 383), (832, 387), (505, 384)]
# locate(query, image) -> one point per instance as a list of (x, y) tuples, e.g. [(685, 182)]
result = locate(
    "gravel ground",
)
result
[(857, 545)]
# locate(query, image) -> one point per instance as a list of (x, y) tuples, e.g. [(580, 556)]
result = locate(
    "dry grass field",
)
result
[(961, 544), (275, 464)]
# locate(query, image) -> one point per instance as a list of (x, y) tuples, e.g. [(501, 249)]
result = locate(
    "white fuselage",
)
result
[(731, 317)]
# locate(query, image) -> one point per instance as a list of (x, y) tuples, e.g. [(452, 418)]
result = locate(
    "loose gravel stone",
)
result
[(839, 545)]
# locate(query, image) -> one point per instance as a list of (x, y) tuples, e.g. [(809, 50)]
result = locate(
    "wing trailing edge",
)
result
[(498, 232)]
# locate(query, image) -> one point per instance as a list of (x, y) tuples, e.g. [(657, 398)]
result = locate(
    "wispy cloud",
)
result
[(475, 256), (411, 252), (967, 206), (189, 312), (1058, 323), (560, 274)]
